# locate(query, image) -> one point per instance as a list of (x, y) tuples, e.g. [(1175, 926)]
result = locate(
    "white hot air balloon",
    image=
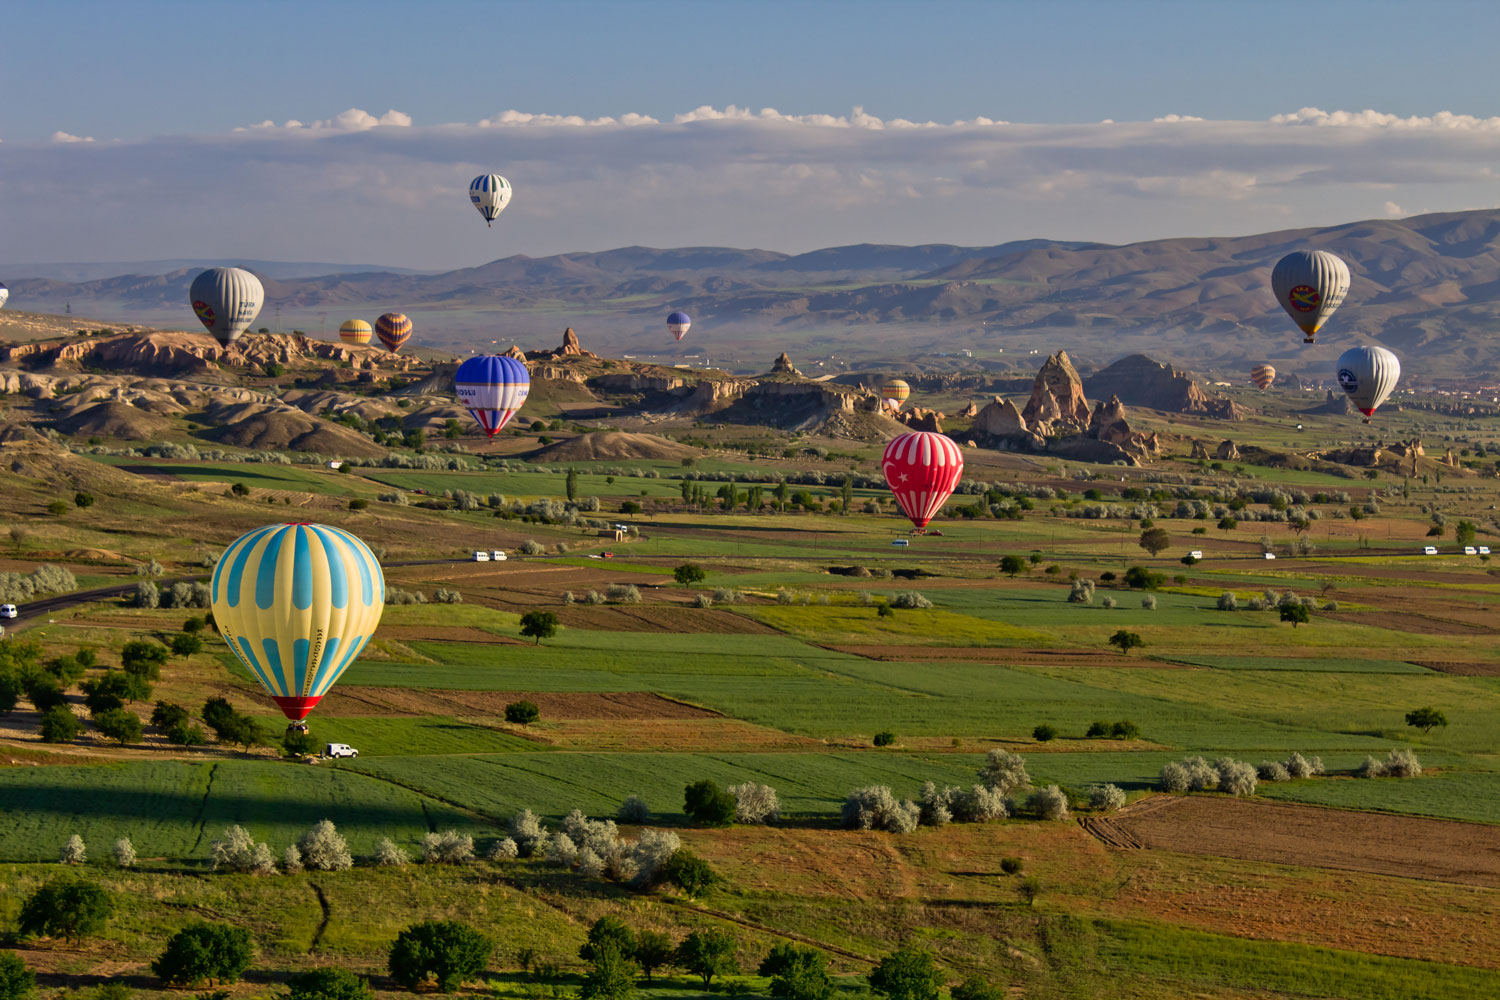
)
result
[(227, 300), (1310, 285), (4, 294), (490, 193), (1367, 375)]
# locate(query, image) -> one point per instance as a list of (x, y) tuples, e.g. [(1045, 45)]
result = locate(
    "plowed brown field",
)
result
[(1312, 836), (553, 704), (1006, 656)]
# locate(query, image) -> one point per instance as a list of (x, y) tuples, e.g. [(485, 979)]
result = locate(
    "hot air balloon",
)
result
[(1262, 376), (1310, 284), (678, 323), (4, 294), (227, 300), (490, 193), (1368, 374), (895, 392), (492, 388), (354, 331), (394, 330), (922, 468), (296, 603)]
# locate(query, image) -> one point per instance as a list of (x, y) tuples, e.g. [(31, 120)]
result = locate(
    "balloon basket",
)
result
[(1309, 340), (296, 727)]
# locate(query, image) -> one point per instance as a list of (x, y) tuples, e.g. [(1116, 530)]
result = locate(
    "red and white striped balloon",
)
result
[(922, 469)]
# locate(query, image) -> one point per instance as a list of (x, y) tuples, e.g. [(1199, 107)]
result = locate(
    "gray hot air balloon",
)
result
[(1368, 374), (1310, 284), (227, 300)]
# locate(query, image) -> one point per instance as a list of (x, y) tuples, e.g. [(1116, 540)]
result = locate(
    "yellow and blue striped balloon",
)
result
[(297, 603)]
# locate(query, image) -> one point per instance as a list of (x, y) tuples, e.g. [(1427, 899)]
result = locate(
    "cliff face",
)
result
[(195, 353), (1142, 381)]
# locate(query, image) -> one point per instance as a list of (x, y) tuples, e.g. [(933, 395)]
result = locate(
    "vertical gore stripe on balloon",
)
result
[(302, 571), (327, 667), (265, 570), (369, 571), (338, 569), (248, 657), (241, 553), (300, 649), (274, 666)]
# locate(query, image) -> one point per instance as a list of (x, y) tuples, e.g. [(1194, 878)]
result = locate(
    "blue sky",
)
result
[(160, 88)]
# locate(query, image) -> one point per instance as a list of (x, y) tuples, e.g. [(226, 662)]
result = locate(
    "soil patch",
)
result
[(1407, 622), (1005, 656), (1315, 837), (1462, 668), (556, 705)]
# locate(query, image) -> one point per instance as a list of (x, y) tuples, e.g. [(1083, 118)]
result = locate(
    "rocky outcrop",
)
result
[(515, 352), (1108, 424), (783, 366), (919, 419), (1223, 409), (1146, 382), (165, 351), (1227, 451), (1198, 450), (1057, 405), (569, 348), (1001, 419), (969, 412), (1336, 404)]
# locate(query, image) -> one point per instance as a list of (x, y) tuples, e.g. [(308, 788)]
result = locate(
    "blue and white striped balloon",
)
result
[(489, 193), (492, 388), (296, 603)]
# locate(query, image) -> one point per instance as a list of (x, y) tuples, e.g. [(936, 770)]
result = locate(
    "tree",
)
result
[(611, 976), (975, 988), (67, 908), (689, 574), (82, 499), (907, 974), (689, 873), (653, 950), (186, 644), (241, 731), (166, 714), (1426, 719), (1126, 640), (120, 725), (323, 848), (332, 984), (1463, 532), (143, 658), (449, 951), (706, 954), (1011, 565), (1044, 733), (1227, 523), (1297, 614), (217, 711), (296, 743), (204, 952), (1140, 578), (571, 485), (708, 804), (1154, 540), (16, 980), (57, 508), (802, 975), (60, 725), (539, 625), (100, 694), (522, 713), (611, 932), (846, 493)]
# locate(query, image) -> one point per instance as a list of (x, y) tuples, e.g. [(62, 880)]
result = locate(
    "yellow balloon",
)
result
[(297, 603)]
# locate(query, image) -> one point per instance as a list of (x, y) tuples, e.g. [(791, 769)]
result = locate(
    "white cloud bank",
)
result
[(358, 186)]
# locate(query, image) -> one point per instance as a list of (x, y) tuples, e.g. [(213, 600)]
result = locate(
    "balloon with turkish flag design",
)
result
[(922, 470)]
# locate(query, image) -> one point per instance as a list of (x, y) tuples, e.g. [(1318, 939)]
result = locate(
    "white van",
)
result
[(902, 542), (480, 555), (1196, 553), (497, 556), (1470, 550), (1484, 550), (1270, 555), (339, 750), (1429, 550), (8, 611)]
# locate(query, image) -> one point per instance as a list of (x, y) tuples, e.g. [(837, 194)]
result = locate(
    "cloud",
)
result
[(1394, 210), (69, 137), (355, 186)]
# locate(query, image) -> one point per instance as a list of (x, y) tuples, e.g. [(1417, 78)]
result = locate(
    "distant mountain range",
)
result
[(1427, 287)]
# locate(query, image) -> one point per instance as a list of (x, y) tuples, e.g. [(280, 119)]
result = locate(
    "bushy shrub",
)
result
[(625, 593), (120, 725), (884, 738), (1048, 803), (1271, 770), (1299, 766), (593, 597), (202, 952), (124, 853), (1106, 798), (1400, 763), (1148, 601), (16, 981), (503, 849), (1011, 866), (1004, 771), (395, 595), (389, 854), (1044, 733), (60, 725), (1236, 777), (1082, 592), (909, 599), (532, 548), (73, 852), (145, 595), (726, 595), (708, 804), (526, 830), (634, 810), (324, 848), (936, 804), (291, 859), (448, 951), (755, 803), (1228, 602), (875, 808), (657, 856), (328, 984), (65, 907), (1107, 603), (449, 847), (522, 713), (445, 595), (237, 851), (703, 601), (980, 804)]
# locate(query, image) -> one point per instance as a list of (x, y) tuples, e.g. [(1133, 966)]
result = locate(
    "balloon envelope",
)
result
[(227, 300), (922, 469), (393, 329), (1310, 285), (4, 294), (678, 323), (296, 603), (1263, 376), (895, 391), (489, 193), (1367, 375), (354, 331), (492, 388)]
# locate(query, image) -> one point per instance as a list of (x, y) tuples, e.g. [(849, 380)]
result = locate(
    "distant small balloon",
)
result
[(226, 301), (1263, 376), (678, 324), (895, 392), (489, 193), (354, 331), (1310, 285), (4, 294), (1368, 375), (394, 330)]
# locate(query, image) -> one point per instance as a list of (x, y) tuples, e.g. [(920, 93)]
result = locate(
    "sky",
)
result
[(348, 132)]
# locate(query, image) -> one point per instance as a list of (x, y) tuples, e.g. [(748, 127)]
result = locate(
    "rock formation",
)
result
[(969, 412), (1108, 424), (568, 349), (1143, 381), (1227, 451), (783, 366), (919, 419), (1198, 450), (1057, 405), (1001, 419), (1336, 404), (516, 352)]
